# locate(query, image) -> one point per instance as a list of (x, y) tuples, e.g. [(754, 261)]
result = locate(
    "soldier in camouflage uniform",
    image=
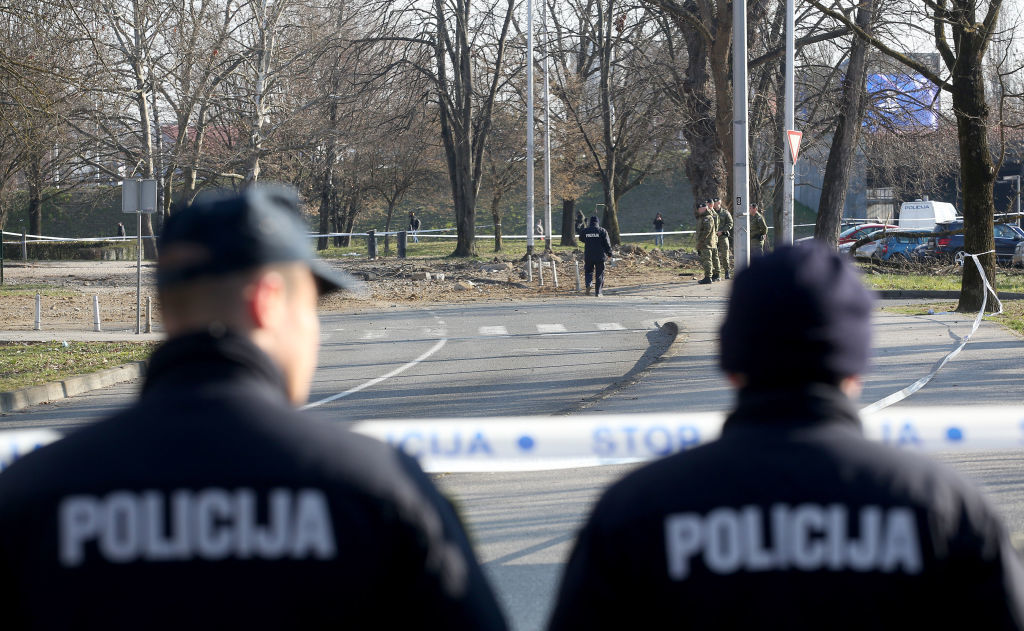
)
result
[(716, 266), (724, 235), (706, 241), (758, 229)]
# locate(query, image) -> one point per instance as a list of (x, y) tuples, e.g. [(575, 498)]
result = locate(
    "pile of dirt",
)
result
[(67, 287)]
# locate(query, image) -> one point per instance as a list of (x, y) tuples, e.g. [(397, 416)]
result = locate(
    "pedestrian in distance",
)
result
[(725, 224), (597, 246), (414, 226), (538, 230), (758, 229), (707, 239), (792, 519), (211, 503), (120, 229), (659, 226)]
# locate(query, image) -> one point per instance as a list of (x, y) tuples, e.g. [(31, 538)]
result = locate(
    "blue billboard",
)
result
[(901, 101)]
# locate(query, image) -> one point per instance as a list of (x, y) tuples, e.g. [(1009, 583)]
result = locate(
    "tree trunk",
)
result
[(978, 176), (496, 217), (844, 143), (387, 226), (705, 164), (569, 222), (35, 195)]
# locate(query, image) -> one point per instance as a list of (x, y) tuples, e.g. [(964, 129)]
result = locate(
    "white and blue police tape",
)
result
[(535, 443), (896, 397)]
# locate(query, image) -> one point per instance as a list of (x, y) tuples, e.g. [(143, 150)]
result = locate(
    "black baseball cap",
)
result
[(798, 315), (221, 233)]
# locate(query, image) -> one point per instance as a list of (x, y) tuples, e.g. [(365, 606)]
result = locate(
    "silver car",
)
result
[(1018, 255)]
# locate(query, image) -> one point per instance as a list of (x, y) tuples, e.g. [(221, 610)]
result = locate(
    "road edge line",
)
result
[(72, 386)]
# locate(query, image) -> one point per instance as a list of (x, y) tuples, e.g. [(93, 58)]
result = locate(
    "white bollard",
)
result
[(39, 323), (554, 274), (540, 271), (577, 275), (149, 314), (96, 313), (529, 269)]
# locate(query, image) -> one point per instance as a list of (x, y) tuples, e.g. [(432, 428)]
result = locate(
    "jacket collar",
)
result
[(206, 357), (792, 407)]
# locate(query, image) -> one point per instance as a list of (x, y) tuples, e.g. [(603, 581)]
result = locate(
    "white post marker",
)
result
[(39, 322), (96, 313)]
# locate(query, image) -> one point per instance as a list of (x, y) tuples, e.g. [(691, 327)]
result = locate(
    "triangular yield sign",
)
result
[(794, 142)]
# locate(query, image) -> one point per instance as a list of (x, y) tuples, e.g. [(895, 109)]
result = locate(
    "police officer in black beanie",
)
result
[(792, 519), (211, 503)]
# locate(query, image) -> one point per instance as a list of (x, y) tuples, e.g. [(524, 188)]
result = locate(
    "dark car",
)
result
[(951, 246)]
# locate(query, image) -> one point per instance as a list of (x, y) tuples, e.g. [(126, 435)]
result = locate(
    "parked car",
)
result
[(859, 232), (951, 246), (899, 247), (1018, 255), (865, 251)]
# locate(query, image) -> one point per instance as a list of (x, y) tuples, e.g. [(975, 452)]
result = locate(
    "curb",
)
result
[(18, 399), (890, 294)]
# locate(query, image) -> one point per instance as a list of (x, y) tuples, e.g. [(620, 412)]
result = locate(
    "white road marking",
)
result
[(397, 371), (551, 328), (373, 334), (610, 326), (493, 330)]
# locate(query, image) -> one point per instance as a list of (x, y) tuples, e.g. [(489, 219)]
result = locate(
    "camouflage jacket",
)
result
[(758, 226), (706, 227)]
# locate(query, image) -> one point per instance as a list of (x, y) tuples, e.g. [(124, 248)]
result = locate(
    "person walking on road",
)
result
[(792, 519), (725, 224), (597, 246), (659, 226), (707, 239), (758, 229), (211, 503), (414, 226)]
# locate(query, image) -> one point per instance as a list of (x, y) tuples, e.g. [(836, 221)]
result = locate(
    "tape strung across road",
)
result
[(532, 443), (896, 397)]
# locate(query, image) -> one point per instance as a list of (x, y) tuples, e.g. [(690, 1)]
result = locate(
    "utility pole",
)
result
[(740, 148), (785, 234), (547, 131), (529, 127)]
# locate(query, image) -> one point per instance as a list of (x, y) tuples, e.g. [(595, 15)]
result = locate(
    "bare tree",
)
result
[(962, 30)]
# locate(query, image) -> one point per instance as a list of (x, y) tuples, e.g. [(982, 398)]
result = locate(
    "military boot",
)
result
[(704, 281), (726, 274), (716, 277)]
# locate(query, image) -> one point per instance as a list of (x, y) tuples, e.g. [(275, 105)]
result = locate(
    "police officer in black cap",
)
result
[(792, 519), (597, 246), (211, 503)]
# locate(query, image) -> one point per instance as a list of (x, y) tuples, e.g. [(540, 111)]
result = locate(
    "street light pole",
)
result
[(529, 127), (740, 146)]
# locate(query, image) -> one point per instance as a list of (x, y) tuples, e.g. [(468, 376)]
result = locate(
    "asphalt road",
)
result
[(550, 357)]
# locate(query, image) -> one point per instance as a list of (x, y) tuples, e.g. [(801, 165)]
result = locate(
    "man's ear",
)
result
[(265, 299), (737, 380)]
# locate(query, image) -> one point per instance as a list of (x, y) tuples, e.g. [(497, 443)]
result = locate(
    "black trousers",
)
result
[(594, 271)]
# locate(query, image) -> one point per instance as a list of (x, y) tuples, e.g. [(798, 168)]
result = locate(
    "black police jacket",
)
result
[(792, 520), (212, 503), (596, 244)]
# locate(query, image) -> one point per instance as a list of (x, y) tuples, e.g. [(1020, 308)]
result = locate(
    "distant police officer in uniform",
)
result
[(758, 229), (597, 246), (211, 503), (792, 519), (725, 223), (707, 239)]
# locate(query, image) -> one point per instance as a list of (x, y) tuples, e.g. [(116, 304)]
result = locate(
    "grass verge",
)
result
[(434, 248), (939, 280), (25, 364), (31, 289), (1012, 316)]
